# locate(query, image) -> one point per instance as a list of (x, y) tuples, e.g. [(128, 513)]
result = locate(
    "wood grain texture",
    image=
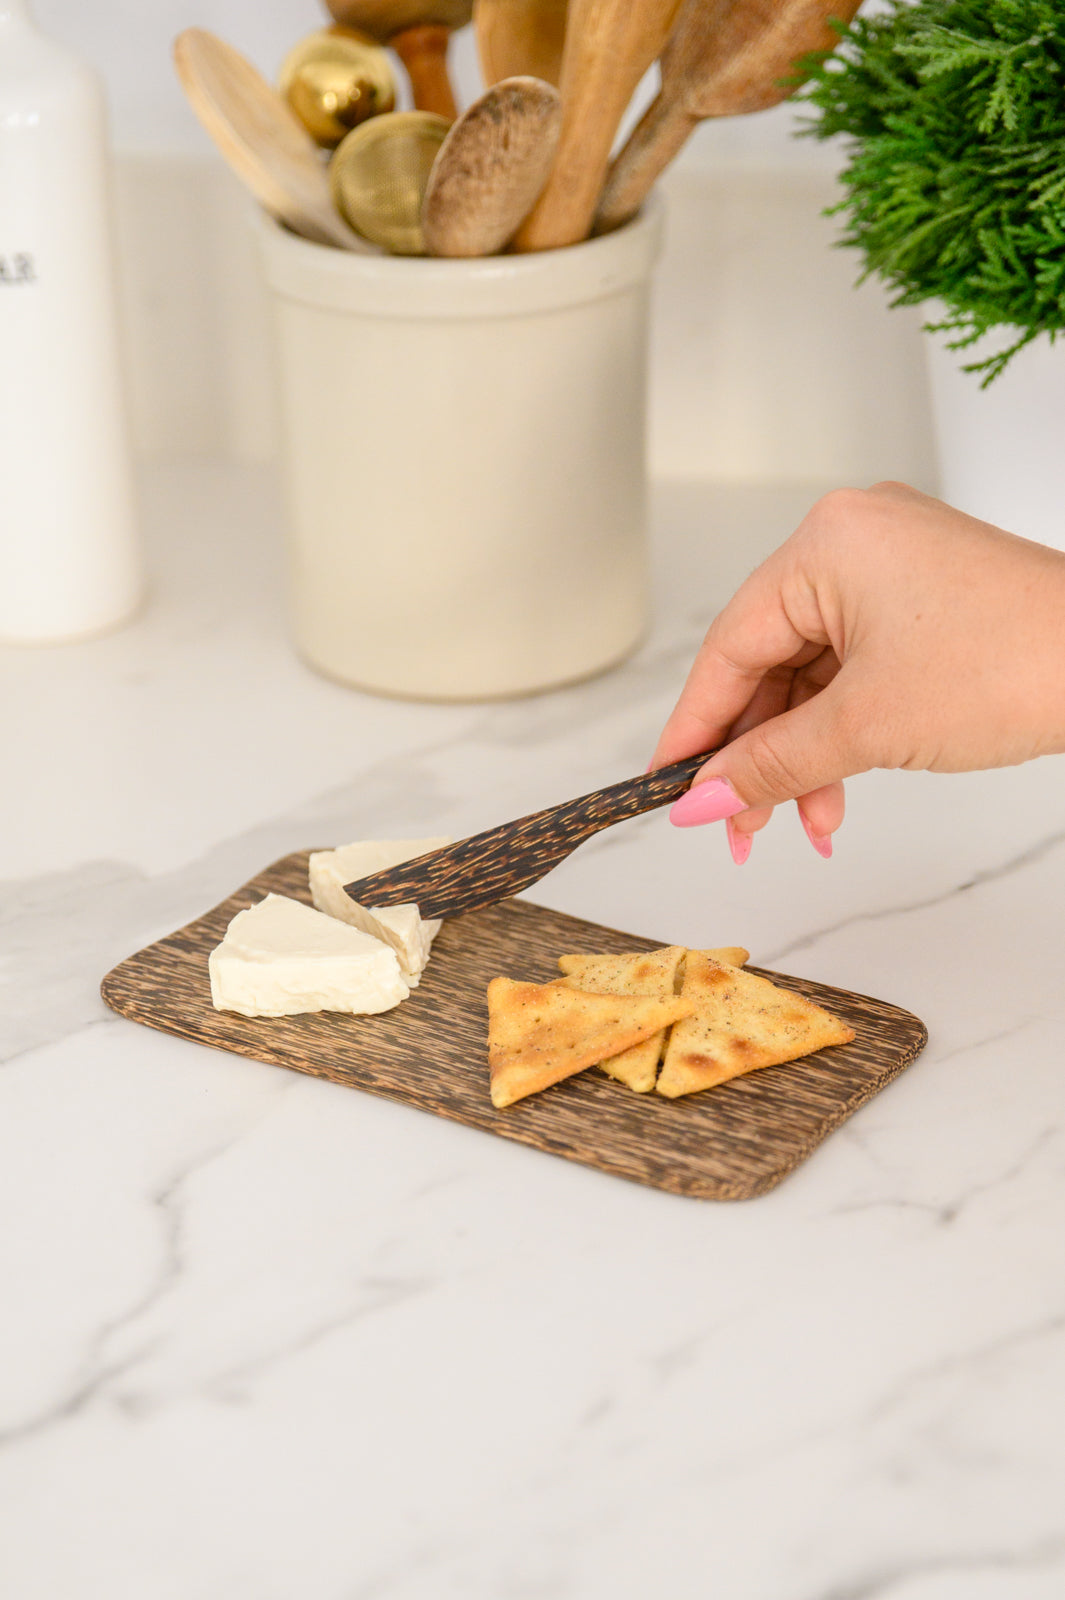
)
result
[(520, 37), (490, 168), (260, 137), (502, 861), (383, 18), (730, 1143), (423, 52), (609, 45), (725, 58)]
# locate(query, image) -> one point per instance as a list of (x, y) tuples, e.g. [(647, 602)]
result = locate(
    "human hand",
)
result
[(889, 631)]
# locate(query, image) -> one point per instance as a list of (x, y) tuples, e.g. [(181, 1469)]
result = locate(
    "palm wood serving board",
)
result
[(727, 1143)]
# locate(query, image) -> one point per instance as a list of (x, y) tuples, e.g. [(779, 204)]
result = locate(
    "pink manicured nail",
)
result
[(711, 801), (822, 842), (739, 843)]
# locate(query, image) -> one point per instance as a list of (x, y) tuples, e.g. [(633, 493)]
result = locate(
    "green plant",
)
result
[(955, 172)]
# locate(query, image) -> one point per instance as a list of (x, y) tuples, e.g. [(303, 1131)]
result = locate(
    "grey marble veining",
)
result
[(264, 1338)]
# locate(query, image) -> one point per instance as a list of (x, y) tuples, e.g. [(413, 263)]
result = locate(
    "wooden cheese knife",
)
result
[(502, 861)]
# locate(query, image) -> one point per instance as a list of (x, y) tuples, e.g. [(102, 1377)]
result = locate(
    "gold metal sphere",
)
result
[(379, 174), (335, 80)]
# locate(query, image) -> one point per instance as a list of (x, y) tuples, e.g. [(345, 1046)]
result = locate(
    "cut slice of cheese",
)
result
[(401, 927), (280, 958)]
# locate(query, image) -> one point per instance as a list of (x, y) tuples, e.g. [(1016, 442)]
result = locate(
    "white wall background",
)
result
[(767, 362), (129, 41)]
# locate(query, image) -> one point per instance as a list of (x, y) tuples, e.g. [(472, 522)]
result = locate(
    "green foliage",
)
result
[(954, 112)]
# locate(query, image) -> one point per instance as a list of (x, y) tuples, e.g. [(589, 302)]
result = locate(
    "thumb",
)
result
[(780, 759)]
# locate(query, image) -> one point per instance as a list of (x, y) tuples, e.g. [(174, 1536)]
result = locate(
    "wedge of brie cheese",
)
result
[(280, 958), (401, 927)]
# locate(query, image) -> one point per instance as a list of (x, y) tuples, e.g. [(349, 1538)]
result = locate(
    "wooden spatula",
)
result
[(609, 46), (520, 38), (502, 861), (262, 140), (724, 58)]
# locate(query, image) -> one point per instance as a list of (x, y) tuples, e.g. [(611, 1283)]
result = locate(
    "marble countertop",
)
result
[(265, 1338)]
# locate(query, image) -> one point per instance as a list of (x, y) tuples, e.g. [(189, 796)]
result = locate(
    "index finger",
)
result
[(753, 634)]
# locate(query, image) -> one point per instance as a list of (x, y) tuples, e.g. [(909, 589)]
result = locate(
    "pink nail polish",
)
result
[(711, 801), (739, 843), (822, 842)]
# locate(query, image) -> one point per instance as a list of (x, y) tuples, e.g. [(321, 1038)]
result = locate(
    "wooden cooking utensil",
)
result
[(609, 46), (724, 58), (419, 32), (502, 861), (262, 140), (520, 38), (490, 169)]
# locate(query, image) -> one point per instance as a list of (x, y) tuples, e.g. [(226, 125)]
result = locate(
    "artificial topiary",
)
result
[(955, 173)]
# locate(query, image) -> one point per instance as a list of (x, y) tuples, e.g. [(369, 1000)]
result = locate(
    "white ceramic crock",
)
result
[(465, 461), (1001, 450)]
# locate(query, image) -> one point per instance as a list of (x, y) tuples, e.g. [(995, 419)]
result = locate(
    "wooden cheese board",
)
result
[(728, 1143)]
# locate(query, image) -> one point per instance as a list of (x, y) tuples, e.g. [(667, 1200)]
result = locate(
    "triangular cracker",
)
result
[(740, 1022), (729, 956), (539, 1034), (651, 973)]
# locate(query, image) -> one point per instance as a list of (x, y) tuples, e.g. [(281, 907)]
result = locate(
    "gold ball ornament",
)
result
[(335, 80)]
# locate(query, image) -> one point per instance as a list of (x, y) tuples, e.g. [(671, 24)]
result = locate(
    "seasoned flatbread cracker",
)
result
[(740, 1023), (728, 956), (653, 973), (539, 1034)]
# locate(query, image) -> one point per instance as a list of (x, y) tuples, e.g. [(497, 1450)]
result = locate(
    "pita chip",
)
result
[(740, 1023), (539, 1034), (730, 956), (651, 973)]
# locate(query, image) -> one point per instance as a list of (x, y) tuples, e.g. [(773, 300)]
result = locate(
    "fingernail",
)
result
[(711, 801), (822, 842), (739, 843)]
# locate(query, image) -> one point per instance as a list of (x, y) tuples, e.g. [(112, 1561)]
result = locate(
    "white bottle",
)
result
[(69, 555)]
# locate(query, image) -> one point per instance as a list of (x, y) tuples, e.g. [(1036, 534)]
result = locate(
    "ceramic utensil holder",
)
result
[(465, 459)]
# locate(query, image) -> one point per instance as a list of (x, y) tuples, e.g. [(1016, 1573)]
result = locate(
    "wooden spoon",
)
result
[(609, 46), (263, 141), (520, 38), (490, 169), (419, 32), (725, 58)]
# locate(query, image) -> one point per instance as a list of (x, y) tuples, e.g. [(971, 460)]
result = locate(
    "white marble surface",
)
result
[(264, 1338)]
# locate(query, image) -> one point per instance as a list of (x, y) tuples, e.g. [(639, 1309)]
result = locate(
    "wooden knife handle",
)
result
[(633, 796)]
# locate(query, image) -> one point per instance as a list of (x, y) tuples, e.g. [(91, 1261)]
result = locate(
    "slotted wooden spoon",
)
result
[(609, 46), (419, 32), (520, 38), (502, 861), (264, 142), (724, 58)]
